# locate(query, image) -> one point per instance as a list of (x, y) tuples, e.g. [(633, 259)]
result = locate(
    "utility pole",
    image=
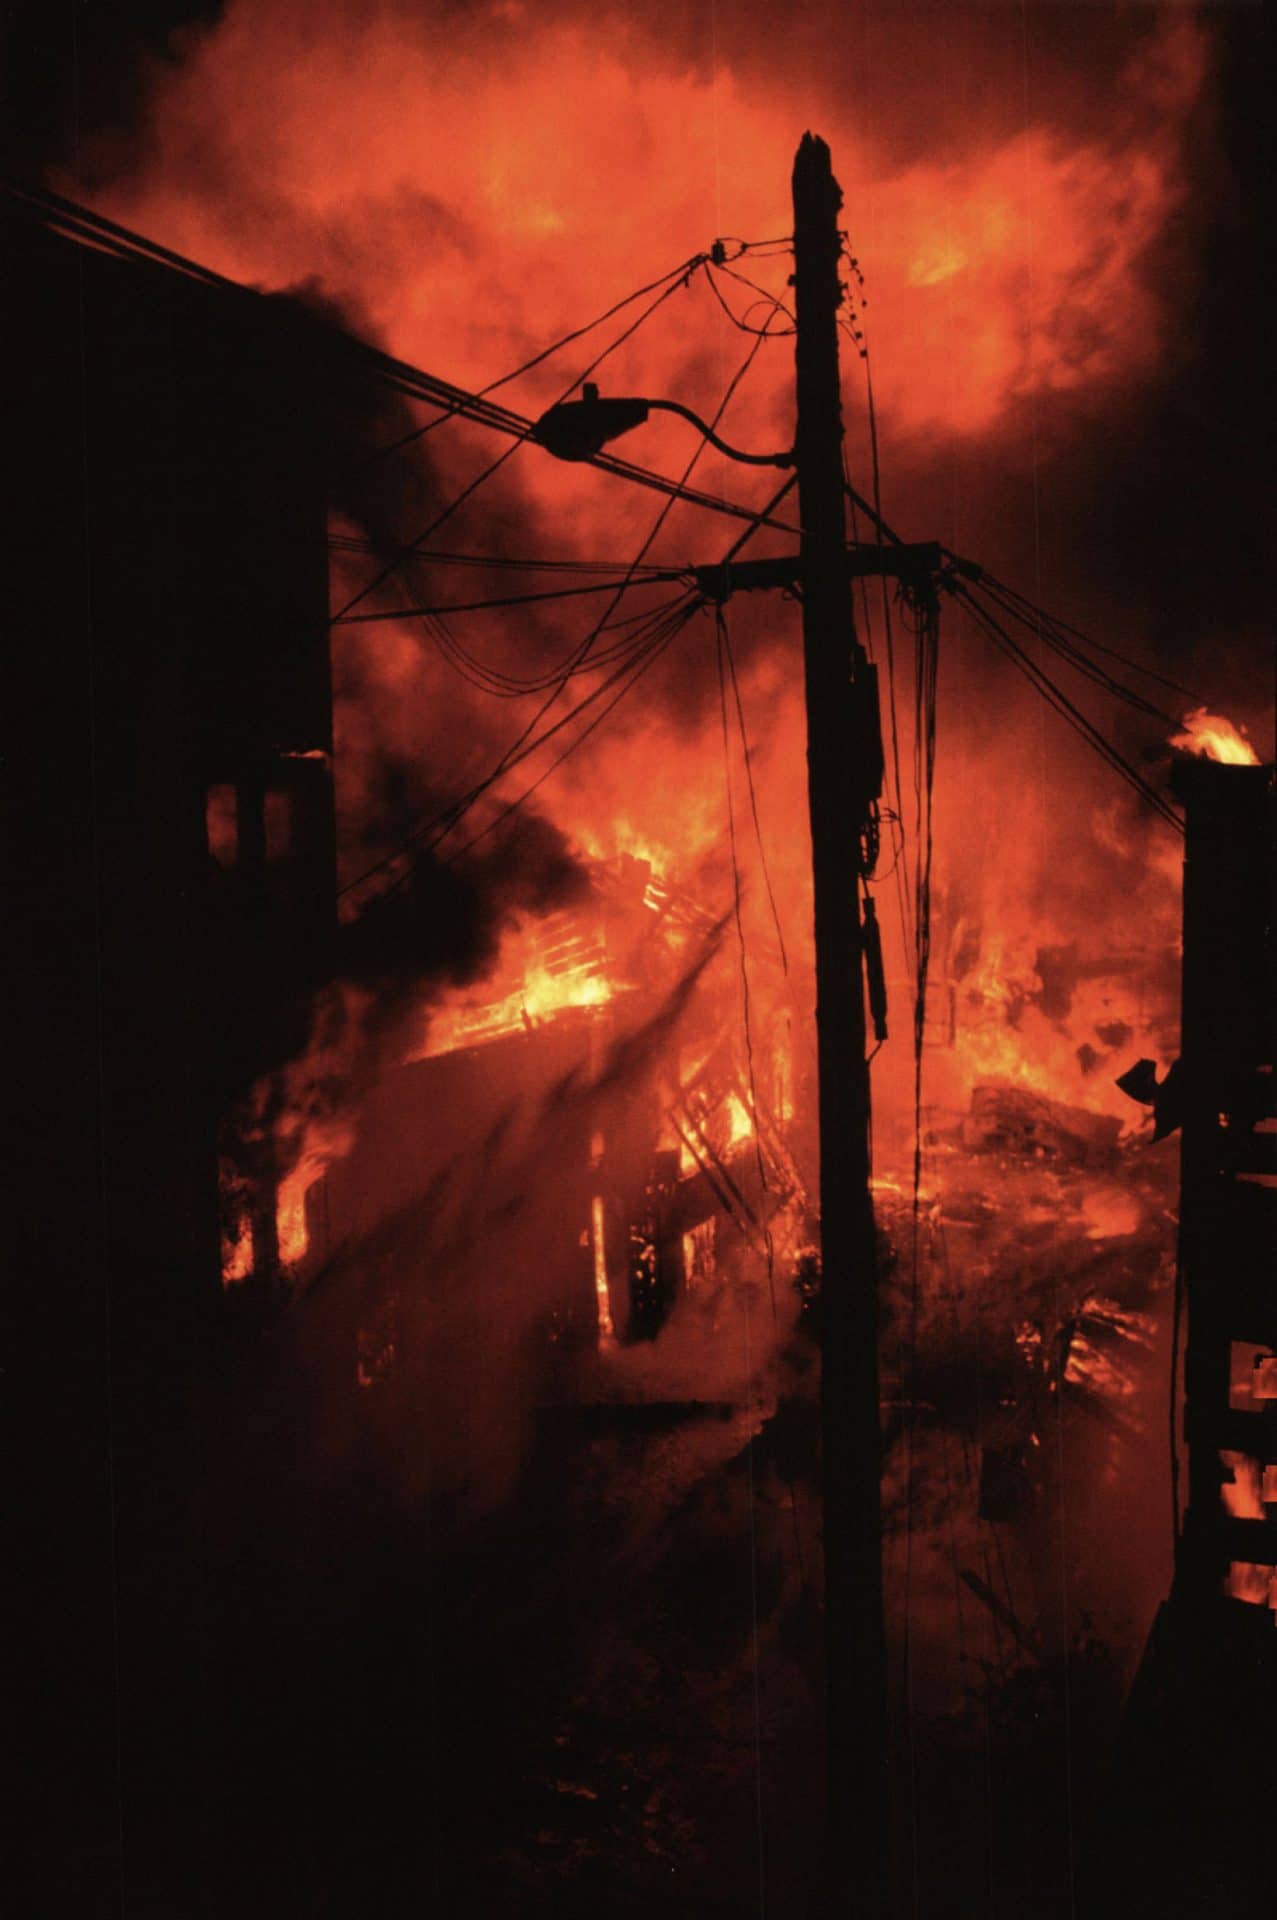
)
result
[(844, 779), (844, 773)]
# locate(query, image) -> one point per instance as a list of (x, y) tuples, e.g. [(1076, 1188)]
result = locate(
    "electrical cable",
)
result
[(1177, 1325), (453, 813), (427, 836), (506, 454), (753, 796), (502, 686), (576, 661), (497, 562), (925, 685), (87, 228), (1056, 698), (783, 244), (882, 531), (720, 627), (774, 300), (1041, 628), (650, 656), (681, 272), (777, 306), (505, 600), (724, 648), (82, 224), (899, 868), (1086, 728), (582, 652), (1056, 623)]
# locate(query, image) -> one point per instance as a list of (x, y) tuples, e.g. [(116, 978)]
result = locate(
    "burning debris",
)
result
[(626, 934), (1013, 1121)]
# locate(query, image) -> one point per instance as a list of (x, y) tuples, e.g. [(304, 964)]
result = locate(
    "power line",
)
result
[(774, 300), (577, 661), (726, 643), (680, 272), (651, 654), (766, 331), (424, 838), (502, 685), (720, 625), (582, 652), (524, 429), (85, 227), (926, 661), (521, 748), (1059, 700), (639, 659), (1061, 635), (507, 600), (434, 556), (883, 532), (416, 384), (495, 466)]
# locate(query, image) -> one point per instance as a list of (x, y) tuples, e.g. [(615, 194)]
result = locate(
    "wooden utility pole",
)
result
[(844, 762)]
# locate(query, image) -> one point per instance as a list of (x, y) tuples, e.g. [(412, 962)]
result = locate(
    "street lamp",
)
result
[(578, 429)]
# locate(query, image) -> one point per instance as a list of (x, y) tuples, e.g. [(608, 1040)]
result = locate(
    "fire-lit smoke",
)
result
[(468, 188), (480, 186)]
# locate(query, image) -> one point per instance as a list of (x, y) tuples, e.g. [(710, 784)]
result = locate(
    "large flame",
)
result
[(1213, 737), (324, 1141)]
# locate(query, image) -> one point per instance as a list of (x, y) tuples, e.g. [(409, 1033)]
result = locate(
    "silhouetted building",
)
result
[(171, 904), (1189, 1818)]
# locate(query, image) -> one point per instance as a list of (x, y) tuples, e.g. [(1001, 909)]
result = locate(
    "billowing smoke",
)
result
[(1034, 204), (1030, 208)]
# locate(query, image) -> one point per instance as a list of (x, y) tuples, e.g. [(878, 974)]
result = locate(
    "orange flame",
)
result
[(602, 1291), (741, 1125), (525, 992), (325, 1142), (1214, 738), (237, 1255)]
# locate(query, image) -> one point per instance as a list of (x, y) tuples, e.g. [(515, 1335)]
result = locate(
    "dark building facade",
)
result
[(165, 612), (1188, 1820), (1228, 1209)]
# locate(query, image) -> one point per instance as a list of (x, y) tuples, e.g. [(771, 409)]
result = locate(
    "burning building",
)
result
[(581, 1078)]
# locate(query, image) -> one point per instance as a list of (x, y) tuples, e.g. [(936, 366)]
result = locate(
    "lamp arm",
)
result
[(733, 453)]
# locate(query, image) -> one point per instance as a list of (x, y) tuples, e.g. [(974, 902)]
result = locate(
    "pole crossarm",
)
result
[(917, 564)]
